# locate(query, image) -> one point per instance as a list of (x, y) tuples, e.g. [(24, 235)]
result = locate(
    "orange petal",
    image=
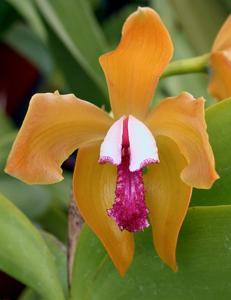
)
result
[(94, 189), (219, 85), (167, 198), (181, 118), (223, 39), (53, 128), (133, 69)]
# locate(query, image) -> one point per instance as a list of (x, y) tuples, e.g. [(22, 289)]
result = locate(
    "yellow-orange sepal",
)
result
[(219, 85), (223, 38), (94, 190), (133, 69), (167, 198), (182, 119), (55, 125)]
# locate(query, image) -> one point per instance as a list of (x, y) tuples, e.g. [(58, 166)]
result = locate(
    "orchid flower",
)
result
[(115, 197), (220, 62)]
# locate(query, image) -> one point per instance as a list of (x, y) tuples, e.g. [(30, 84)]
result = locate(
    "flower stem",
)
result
[(196, 64)]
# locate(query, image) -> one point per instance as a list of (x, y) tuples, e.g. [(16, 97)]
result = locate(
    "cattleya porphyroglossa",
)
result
[(171, 140)]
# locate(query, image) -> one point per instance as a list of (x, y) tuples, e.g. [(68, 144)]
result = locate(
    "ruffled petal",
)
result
[(219, 85), (182, 119), (55, 125), (223, 38), (167, 198), (94, 189), (133, 69)]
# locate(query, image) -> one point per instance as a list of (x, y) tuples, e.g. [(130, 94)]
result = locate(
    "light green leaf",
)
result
[(32, 200), (59, 252), (29, 294), (6, 140), (76, 26), (218, 118), (24, 254), (197, 24), (204, 255)]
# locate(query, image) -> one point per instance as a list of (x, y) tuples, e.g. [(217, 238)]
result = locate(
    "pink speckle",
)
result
[(106, 159), (129, 210), (148, 162)]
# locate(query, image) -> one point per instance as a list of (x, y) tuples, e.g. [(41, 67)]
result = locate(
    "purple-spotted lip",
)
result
[(129, 210), (130, 146)]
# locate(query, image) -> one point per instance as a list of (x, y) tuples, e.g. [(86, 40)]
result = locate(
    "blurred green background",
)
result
[(48, 45)]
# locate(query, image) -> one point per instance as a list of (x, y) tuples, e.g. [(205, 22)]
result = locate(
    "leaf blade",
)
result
[(24, 254), (66, 20), (206, 231), (218, 118)]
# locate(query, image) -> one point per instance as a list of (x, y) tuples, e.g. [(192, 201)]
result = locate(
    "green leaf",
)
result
[(218, 118), (27, 9), (24, 254), (76, 78), (29, 294), (204, 255), (55, 221), (112, 26), (6, 125), (77, 28), (61, 191), (7, 136), (228, 4), (7, 17), (22, 39), (32, 200), (59, 252), (6, 141), (197, 24), (196, 84)]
